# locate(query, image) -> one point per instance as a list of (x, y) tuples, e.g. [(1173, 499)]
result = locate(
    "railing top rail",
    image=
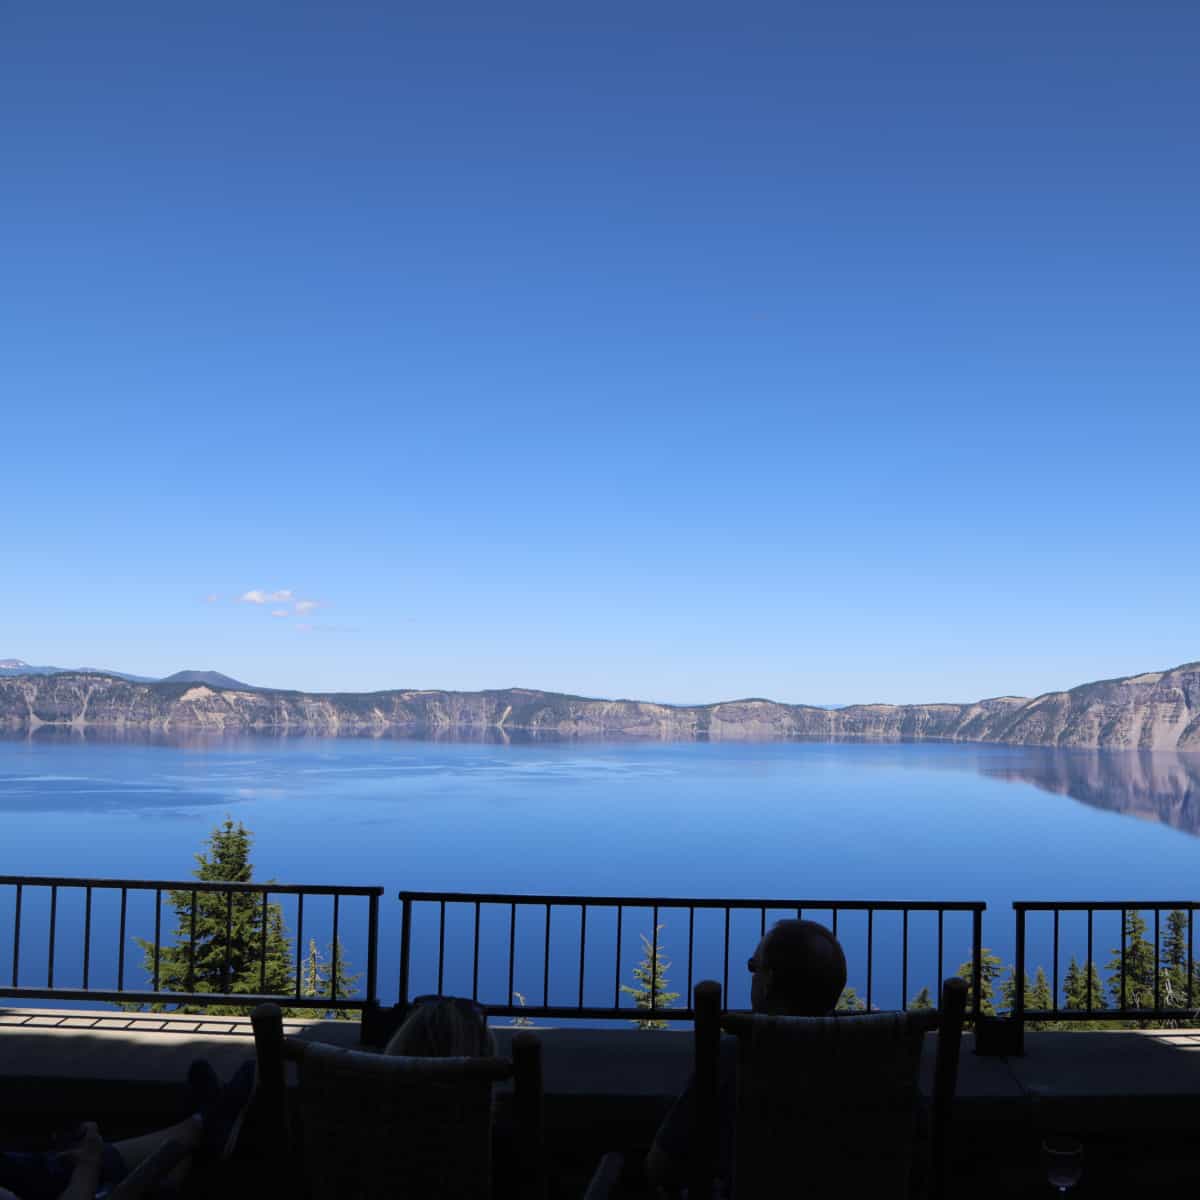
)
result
[(698, 902), (194, 885), (1099, 905)]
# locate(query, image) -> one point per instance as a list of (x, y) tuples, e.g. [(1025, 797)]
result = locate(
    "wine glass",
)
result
[(1063, 1159)]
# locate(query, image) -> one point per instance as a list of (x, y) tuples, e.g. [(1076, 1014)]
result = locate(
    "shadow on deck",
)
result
[(1133, 1097)]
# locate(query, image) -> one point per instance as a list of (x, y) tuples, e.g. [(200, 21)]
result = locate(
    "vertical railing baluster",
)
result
[(654, 961), (262, 962), (1054, 1006), (870, 953), (300, 946), (512, 947), (691, 947), (1157, 972), (475, 959), (1018, 1011), (904, 969), (121, 942), (157, 934), (1089, 961), (87, 936), (941, 950), (333, 950), (582, 947), (17, 936), (762, 923), (441, 945), (53, 924), (406, 948), (1123, 997), (227, 969), (617, 968), (725, 967), (546, 963), (1190, 969), (835, 920), (192, 947)]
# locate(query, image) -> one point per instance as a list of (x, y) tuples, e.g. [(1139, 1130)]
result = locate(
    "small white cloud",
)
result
[(280, 612), (211, 598), (303, 606), (258, 596)]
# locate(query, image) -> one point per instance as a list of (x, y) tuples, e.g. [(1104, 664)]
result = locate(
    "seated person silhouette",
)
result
[(797, 970), (92, 1167), (455, 1027), (443, 1027)]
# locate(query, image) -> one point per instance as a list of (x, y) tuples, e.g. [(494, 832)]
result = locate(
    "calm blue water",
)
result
[(907, 821)]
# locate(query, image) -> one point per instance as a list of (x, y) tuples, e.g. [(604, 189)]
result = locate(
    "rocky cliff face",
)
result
[(1156, 711)]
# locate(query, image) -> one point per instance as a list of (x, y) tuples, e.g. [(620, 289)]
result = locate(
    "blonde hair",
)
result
[(443, 1028)]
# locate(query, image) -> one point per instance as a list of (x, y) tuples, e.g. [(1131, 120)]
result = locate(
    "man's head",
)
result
[(798, 970)]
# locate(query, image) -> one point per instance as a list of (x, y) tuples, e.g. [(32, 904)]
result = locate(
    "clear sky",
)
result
[(825, 352)]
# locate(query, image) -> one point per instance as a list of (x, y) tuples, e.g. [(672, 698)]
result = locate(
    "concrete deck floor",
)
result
[(1125, 1093)]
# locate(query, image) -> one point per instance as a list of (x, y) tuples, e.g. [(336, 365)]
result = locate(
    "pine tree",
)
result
[(318, 971), (848, 1001), (1037, 996), (989, 971), (1075, 989), (1174, 967), (1075, 993), (1008, 991), (652, 981), (1140, 967), (227, 954), (921, 1001)]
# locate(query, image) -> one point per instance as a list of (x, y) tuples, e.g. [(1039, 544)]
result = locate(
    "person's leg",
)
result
[(136, 1150)]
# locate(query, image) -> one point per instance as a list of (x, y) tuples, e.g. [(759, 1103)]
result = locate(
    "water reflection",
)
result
[(129, 773), (1158, 786)]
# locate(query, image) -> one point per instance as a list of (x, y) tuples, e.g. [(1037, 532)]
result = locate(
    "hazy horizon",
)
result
[(653, 699)]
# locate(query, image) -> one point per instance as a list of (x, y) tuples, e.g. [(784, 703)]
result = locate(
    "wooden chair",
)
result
[(826, 1105), (377, 1126)]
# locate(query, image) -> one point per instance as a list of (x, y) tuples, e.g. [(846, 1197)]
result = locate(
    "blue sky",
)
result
[(832, 352)]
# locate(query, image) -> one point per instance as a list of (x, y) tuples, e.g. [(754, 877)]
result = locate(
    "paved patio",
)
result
[(1132, 1096)]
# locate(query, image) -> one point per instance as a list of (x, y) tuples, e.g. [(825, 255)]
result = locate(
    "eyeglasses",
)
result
[(462, 1003)]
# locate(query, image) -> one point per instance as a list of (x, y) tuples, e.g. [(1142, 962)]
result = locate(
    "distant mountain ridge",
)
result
[(212, 678), (1157, 710), (15, 666)]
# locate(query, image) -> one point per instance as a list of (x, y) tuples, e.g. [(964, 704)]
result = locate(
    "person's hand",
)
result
[(90, 1148)]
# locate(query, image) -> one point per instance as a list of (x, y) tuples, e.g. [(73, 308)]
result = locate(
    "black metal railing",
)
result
[(1150, 981), (654, 907), (25, 887)]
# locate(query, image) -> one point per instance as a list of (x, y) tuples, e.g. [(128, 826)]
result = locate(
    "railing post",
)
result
[(405, 948), (373, 949), (1018, 1011), (706, 1003), (977, 963)]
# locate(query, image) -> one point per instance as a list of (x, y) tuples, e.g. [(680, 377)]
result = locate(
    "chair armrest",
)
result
[(605, 1177)]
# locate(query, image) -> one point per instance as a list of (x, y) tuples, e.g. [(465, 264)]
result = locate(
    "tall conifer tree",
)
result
[(227, 954), (1139, 966), (651, 978), (989, 971)]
